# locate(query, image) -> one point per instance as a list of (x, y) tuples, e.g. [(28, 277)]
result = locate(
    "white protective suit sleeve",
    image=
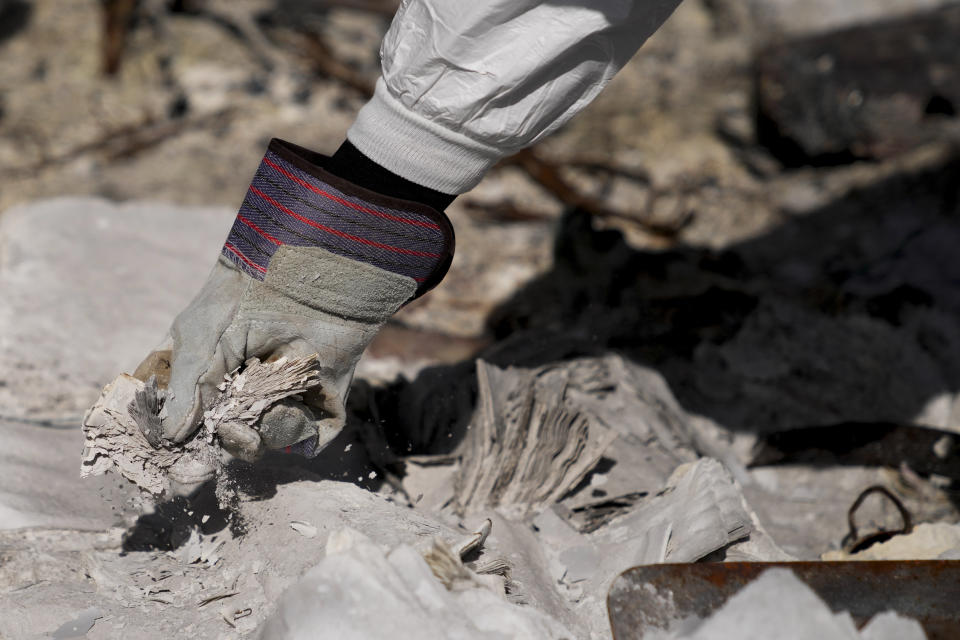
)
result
[(468, 82)]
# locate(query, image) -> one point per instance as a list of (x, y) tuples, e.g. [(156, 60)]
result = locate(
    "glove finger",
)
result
[(302, 419), (287, 423), (199, 356), (240, 441)]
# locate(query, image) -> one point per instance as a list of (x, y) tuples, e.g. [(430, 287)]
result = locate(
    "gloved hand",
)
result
[(313, 265)]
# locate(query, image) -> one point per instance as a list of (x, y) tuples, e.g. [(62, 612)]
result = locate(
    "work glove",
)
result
[(312, 265)]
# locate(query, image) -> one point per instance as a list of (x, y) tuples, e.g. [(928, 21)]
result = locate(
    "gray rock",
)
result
[(360, 591), (88, 287), (39, 483), (699, 511), (51, 574), (891, 626)]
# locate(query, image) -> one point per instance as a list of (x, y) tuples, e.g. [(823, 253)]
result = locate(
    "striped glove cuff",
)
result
[(294, 201)]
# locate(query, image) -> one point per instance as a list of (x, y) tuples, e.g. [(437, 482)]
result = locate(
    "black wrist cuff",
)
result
[(348, 163)]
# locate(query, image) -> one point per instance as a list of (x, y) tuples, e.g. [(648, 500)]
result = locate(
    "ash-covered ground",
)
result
[(751, 318)]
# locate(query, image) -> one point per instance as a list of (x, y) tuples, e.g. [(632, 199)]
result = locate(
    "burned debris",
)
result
[(713, 385)]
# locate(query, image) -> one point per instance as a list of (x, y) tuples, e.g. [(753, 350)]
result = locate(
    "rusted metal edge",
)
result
[(655, 597)]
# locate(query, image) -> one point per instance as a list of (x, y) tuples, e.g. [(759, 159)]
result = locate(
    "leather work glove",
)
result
[(312, 265)]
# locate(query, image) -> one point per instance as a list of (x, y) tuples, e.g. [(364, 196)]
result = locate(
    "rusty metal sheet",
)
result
[(657, 596)]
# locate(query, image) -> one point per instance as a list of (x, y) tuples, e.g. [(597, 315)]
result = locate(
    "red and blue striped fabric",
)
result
[(293, 201)]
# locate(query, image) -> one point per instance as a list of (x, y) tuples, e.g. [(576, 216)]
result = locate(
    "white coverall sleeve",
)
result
[(468, 82)]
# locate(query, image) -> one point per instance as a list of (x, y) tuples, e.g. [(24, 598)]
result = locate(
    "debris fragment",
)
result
[(429, 484), (446, 565), (525, 448), (229, 622), (114, 427), (113, 441), (699, 511), (200, 549), (476, 540), (219, 596), (305, 529), (854, 542), (145, 411)]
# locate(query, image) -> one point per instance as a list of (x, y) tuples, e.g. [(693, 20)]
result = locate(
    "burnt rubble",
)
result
[(710, 328)]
